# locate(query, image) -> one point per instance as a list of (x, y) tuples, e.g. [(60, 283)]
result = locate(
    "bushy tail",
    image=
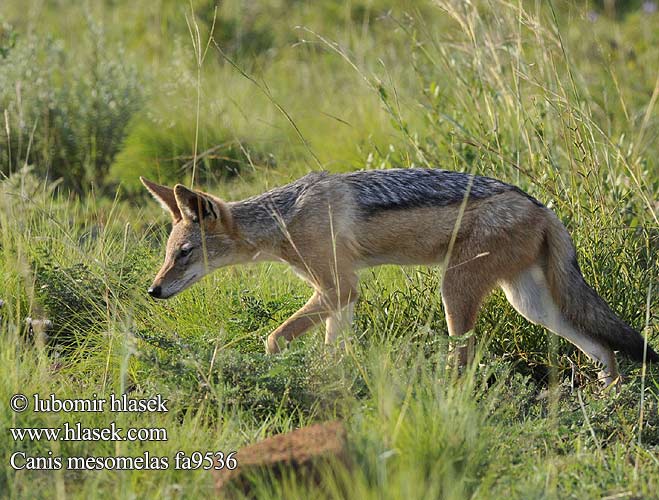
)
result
[(580, 304)]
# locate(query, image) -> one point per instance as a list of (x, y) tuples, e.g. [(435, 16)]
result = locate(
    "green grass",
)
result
[(544, 95)]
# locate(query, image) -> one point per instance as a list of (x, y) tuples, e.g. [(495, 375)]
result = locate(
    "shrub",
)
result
[(162, 150), (66, 112), (75, 297)]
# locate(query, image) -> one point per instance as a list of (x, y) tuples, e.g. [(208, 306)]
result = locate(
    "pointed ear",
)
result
[(165, 196), (197, 206)]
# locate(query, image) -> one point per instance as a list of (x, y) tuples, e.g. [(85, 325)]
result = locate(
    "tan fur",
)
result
[(500, 240)]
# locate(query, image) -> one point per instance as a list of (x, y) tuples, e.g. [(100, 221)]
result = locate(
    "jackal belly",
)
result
[(410, 236), (503, 223)]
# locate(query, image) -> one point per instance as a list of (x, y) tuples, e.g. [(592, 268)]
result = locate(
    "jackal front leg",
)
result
[(309, 315), (339, 324)]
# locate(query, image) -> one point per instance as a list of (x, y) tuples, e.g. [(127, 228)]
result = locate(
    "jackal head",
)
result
[(203, 238)]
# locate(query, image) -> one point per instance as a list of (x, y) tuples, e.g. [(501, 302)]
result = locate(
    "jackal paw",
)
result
[(337, 349), (273, 344), (611, 384)]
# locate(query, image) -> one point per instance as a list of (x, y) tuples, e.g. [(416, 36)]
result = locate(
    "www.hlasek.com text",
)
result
[(77, 432)]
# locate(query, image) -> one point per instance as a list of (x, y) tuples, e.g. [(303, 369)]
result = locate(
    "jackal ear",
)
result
[(165, 196), (197, 206)]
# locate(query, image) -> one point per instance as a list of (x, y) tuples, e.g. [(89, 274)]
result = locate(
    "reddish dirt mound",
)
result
[(301, 450)]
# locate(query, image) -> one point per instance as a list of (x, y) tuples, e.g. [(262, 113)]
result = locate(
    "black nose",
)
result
[(154, 292)]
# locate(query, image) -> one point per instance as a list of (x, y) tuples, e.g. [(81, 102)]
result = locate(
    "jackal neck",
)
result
[(262, 220), (259, 226)]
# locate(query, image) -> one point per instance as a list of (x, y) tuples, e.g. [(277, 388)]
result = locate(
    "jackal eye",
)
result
[(185, 251)]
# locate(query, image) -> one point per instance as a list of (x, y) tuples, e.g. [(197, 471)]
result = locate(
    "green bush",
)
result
[(66, 112), (162, 149), (75, 297)]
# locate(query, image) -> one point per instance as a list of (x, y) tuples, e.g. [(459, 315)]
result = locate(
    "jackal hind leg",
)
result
[(462, 295), (529, 294)]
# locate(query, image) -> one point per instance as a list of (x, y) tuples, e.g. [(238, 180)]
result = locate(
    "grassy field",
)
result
[(559, 98)]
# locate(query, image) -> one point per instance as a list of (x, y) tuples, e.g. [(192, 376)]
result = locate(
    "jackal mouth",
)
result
[(190, 281)]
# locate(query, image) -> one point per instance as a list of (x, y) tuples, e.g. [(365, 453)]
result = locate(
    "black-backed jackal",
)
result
[(487, 234)]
